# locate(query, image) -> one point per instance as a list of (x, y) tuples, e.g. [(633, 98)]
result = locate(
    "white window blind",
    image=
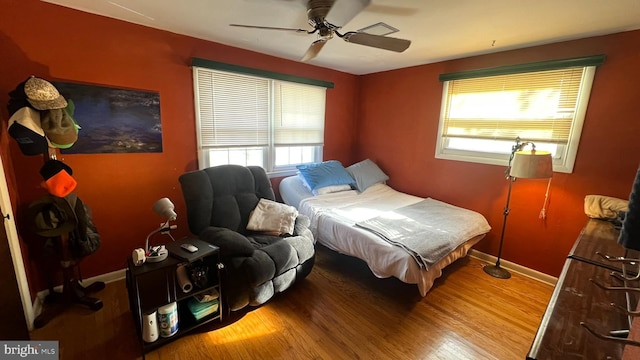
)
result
[(484, 110), (253, 120), (298, 114), (537, 106), (233, 110)]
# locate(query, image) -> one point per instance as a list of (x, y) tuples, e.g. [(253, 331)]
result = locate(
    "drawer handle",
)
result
[(607, 337)]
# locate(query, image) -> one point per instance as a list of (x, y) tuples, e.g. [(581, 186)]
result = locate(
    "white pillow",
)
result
[(331, 189), (326, 189), (271, 216)]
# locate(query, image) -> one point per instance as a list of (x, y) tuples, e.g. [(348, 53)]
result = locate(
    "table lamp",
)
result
[(165, 209)]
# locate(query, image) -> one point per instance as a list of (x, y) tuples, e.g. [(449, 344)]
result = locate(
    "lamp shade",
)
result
[(164, 207), (532, 164)]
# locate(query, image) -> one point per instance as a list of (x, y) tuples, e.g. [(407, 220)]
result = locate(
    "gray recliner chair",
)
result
[(219, 202)]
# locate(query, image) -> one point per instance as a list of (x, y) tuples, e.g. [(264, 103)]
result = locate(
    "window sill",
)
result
[(557, 167), (281, 173)]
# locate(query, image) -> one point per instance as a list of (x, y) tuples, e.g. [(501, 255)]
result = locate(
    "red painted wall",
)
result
[(398, 126), (58, 43)]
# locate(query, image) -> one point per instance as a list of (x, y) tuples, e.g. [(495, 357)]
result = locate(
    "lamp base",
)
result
[(160, 255), (496, 271)]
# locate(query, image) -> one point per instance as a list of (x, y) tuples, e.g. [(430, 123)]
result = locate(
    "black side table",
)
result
[(153, 285)]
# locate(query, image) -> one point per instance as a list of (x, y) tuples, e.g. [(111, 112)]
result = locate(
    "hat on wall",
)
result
[(43, 95), (60, 128), (57, 178), (51, 216), (70, 109), (26, 129), (18, 99)]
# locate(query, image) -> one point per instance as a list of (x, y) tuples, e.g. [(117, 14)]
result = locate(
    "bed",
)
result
[(349, 222)]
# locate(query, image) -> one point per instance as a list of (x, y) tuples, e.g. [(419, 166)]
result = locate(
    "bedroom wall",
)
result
[(58, 43), (398, 125)]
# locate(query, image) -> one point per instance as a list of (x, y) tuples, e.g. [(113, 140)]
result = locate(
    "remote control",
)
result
[(190, 248)]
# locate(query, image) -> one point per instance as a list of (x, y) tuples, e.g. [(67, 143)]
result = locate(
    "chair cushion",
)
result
[(223, 196)]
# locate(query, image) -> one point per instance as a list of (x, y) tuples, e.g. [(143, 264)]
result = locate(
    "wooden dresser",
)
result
[(577, 299)]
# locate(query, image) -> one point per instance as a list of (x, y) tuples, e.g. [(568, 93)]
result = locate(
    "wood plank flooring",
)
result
[(340, 311)]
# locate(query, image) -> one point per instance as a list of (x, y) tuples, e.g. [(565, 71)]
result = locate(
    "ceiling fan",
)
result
[(328, 16)]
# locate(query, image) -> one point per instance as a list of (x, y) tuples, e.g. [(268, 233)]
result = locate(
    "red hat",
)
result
[(57, 178)]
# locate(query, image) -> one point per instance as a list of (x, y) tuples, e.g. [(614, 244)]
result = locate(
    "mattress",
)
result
[(333, 218), (293, 191)]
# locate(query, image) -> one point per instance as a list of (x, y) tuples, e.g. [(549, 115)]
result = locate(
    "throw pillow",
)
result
[(318, 175), (366, 173), (272, 217)]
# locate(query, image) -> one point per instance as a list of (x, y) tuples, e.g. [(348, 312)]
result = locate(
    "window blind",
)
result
[(538, 106), (298, 114), (233, 110)]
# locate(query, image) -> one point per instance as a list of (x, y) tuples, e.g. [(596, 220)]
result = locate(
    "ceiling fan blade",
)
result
[(313, 50), (269, 28), (377, 41), (343, 11)]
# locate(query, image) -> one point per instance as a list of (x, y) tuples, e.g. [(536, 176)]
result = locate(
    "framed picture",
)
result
[(113, 120)]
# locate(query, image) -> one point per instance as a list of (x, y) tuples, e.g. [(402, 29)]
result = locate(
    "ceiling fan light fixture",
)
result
[(380, 29), (327, 17)]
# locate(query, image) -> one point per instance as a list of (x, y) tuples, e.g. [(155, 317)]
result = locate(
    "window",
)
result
[(481, 116), (251, 120)]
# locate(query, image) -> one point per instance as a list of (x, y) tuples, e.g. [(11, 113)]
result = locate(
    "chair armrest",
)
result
[(302, 221), (301, 227), (231, 243)]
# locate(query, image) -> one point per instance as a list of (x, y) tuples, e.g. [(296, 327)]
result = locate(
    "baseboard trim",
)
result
[(525, 271), (106, 278)]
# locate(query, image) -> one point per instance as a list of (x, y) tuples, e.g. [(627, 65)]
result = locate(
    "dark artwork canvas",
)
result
[(114, 120)]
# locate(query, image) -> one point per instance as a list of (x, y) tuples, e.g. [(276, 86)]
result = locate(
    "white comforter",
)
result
[(333, 218)]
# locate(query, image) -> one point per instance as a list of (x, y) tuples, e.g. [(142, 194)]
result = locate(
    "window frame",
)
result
[(269, 151), (564, 159)]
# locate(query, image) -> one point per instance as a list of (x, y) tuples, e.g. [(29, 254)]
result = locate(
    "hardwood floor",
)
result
[(341, 311)]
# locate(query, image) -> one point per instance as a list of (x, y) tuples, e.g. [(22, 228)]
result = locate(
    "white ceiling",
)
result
[(438, 29)]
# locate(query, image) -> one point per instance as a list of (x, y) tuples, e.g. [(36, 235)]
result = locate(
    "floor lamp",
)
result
[(525, 164)]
